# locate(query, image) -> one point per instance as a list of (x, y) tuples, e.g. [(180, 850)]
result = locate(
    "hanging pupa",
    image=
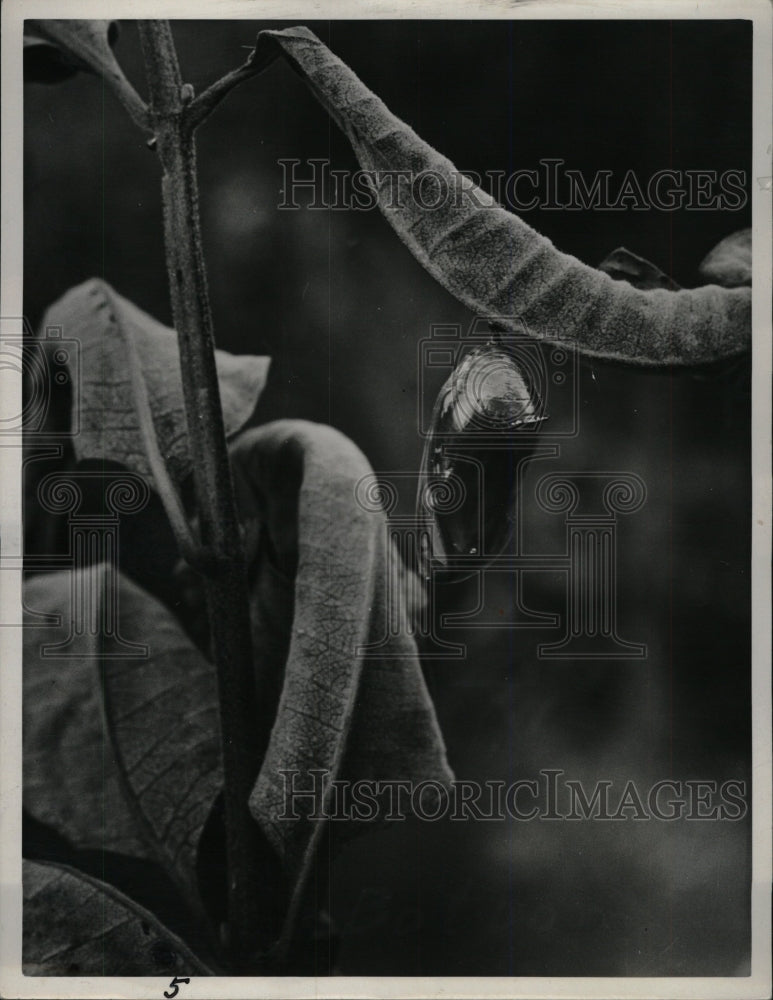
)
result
[(483, 424)]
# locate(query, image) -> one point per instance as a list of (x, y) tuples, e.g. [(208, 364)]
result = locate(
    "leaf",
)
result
[(121, 346), (120, 751), (75, 925), (730, 262), (330, 561), (46, 63), (489, 258), (622, 265), (70, 778), (55, 50), (320, 570)]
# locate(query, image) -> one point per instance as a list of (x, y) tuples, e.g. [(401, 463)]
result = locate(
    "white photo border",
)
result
[(758, 984)]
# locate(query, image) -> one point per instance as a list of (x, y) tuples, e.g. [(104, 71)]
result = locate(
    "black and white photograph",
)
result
[(385, 443)]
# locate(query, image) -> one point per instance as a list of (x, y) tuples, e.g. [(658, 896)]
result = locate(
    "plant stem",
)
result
[(244, 734)]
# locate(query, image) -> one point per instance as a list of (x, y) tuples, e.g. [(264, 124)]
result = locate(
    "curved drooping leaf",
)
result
[(730, 262), (75, 925), (121, 747), (139, 769), (353, 716), (489, 258), (125, 356)]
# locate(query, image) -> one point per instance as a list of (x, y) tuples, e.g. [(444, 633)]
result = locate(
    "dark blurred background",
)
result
[(340, 305)]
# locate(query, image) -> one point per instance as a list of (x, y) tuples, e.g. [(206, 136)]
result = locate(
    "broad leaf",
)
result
[(120, 751), (730, 262), (489, 258), (75, 925), (330, 563), (321, 566), (70, 779), (126, 358)]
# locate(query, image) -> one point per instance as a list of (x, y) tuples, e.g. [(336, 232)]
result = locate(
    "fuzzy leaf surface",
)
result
[(117, 338), (331, 567), (123, 751), (120, 751), (75, 925), (489, 258)]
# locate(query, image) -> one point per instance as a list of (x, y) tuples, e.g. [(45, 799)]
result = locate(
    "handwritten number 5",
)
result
[(174, 987)]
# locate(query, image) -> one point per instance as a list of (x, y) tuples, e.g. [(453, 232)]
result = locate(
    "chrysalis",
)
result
[(467, 487)]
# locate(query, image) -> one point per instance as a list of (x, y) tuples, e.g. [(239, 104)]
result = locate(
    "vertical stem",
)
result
[(243, 734)]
